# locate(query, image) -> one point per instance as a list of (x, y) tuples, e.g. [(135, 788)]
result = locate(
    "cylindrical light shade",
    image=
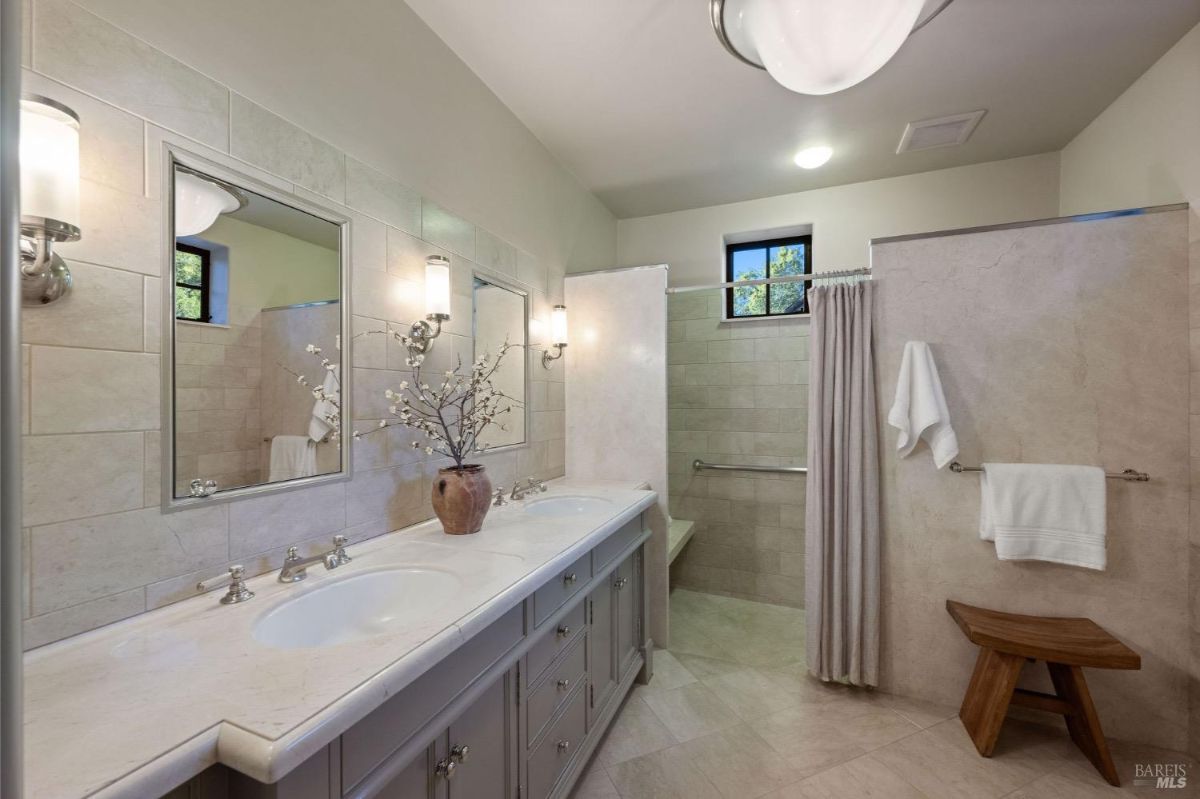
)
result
[(437, 286), (558, 325), (822, 47), (49, 165), (198, 203)]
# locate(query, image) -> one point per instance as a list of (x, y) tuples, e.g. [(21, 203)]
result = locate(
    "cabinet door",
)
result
[(601, 657), (626, 598), (482, 745), (417, 781)]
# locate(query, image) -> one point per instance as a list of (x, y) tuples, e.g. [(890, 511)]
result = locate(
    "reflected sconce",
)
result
[(49, 157), (200, 199), (558, 335), (437, 306)]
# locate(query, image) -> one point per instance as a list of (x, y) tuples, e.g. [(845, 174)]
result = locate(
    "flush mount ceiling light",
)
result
[(817, 46), (200, 199), (813, 157)]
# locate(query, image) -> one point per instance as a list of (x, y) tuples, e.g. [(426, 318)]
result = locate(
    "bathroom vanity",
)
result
[(502, 688)]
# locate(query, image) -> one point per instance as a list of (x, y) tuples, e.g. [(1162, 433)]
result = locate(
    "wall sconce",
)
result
[(49, 156), (558, 335), (437, 306)]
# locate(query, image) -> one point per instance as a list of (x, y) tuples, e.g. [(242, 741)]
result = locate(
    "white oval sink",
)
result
[(569, 505), (367, 604)]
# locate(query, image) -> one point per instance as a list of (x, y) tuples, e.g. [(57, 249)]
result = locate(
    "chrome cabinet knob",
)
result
[(563, 631), (569, 579), (445, 769), (564, 746), (459, 753), (564, 685), (621, 583)]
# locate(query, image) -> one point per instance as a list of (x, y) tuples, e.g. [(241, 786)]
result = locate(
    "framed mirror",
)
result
[(501, 313), (254, 336)]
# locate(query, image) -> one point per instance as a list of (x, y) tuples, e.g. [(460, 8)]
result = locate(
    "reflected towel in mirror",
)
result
[(292, 457)]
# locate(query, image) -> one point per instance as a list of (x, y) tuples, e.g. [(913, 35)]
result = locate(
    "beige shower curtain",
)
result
[(842, 514)]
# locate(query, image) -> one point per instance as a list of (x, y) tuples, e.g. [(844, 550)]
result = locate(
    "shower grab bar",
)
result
[(1130, 475), (729, 467)]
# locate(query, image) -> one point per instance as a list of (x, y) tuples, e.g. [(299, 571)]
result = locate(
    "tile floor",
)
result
[(731, 713)]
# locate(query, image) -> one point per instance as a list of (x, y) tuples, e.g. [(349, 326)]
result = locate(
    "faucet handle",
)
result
[(339, 550), (498, 500), (293, 554), (236, 577)]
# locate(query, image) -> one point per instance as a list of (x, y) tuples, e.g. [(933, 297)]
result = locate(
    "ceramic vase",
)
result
[(461, 498)]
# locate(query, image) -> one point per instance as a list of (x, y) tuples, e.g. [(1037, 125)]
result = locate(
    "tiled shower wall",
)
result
[(738, 393), (98, 546)]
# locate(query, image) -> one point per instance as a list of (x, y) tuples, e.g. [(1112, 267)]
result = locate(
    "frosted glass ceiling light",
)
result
[(813, 157), (817, 46), (49, 159), (200, 199)]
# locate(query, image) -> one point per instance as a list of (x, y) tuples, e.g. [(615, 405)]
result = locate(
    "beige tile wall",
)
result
[(738, 393), (99, 548), (1078, 355)]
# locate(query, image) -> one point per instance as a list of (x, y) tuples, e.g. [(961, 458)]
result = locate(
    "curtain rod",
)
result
[(772, 280)]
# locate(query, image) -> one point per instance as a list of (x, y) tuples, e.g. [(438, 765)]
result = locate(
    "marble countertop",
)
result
[(135, 708)]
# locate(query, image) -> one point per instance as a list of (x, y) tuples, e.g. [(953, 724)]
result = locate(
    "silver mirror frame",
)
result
[(175, 155), (515, 288)]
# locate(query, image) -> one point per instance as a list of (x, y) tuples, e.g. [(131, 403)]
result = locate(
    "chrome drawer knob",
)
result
[(621, 583), (564, 746), (459, 753), (569, 579), (563, 631), (445, 769), (564, 685)]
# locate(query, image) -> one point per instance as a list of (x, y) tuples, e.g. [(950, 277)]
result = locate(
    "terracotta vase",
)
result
[(461, 498)]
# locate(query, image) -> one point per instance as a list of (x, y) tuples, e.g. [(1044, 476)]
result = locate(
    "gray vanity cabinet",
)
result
[(601, 648), (627, 600)]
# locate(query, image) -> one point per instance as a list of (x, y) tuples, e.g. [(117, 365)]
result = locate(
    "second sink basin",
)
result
[(567, 505), (356, 607)]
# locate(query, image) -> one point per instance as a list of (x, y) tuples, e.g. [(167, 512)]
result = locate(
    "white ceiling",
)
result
[(640, 101)]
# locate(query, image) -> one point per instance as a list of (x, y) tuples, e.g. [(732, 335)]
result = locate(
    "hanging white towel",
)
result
[(919, 410), (1037, 511), (292, 457), (318, 425)]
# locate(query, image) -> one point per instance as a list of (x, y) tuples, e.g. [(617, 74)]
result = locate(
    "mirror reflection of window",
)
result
[(257, 283), (500, 315)]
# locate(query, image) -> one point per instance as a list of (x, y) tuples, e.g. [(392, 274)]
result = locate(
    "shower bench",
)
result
[(1006, 641)]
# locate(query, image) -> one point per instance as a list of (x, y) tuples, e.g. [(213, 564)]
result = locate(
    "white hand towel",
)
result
[(919, 410), (1037, 511), (292, 457), (318, 425)]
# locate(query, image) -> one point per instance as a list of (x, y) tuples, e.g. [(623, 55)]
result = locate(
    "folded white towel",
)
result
[(292, 457), (319, 425), (1037, 511), (919, 410)]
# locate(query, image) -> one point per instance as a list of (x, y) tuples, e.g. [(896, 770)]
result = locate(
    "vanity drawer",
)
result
[(552, 642), (556, 593), (558, 747), (370, 741), (550, 695), (616, 543)]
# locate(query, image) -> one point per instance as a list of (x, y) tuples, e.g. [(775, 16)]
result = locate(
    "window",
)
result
[(756, 260), (192, 283)]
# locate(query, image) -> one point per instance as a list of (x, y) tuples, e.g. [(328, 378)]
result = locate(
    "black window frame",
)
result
[(766, 245), (205, 284)]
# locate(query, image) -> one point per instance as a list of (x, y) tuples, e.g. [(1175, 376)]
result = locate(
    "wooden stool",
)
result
[(1006, 641)]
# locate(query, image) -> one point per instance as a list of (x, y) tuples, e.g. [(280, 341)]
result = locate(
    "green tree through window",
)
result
[(761, 259), (191, 283)]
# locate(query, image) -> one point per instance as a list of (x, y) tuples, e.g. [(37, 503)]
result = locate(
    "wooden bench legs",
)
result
[(994, 687)]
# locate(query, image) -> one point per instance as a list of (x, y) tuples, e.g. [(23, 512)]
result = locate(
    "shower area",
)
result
[(737, 424)]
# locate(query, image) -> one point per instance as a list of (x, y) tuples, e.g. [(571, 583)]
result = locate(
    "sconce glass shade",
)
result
[(49, 168), (817, 46), (437, 287), (558, 326), (198, 203)]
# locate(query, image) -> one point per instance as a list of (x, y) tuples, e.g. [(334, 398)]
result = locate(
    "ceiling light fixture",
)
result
[(817, 46), (813, 157), (200, 199)]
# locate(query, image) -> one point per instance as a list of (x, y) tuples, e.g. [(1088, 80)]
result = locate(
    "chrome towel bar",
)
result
[(729, 467), (1130, 475)]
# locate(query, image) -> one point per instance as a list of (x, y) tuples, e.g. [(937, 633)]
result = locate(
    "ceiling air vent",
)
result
[(948, 131)]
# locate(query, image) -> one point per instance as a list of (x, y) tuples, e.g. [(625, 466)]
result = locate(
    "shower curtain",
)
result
[(842, 513)]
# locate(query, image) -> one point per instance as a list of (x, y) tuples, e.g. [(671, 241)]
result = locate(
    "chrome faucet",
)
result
[(295, 568), (531, 486)]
